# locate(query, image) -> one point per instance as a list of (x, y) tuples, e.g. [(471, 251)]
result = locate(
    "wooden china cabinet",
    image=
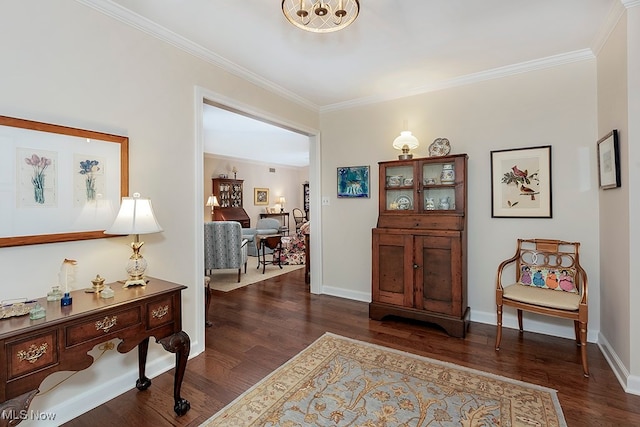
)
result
[(420, 243), (229, 194)]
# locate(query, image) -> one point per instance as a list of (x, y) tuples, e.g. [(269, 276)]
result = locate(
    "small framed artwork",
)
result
[(260, 196), (521, 183), (353, 182), (609, 161)]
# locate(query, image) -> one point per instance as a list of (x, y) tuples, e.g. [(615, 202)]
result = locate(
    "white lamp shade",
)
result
[(135, 217), (212, 201), (407, 139)]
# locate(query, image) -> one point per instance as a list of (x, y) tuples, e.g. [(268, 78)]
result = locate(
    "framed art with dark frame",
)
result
[(58, 183), (609, 161), (521, 183), (353, 182), (260, 196)]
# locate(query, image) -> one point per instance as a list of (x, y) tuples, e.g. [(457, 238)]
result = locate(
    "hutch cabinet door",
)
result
[(439, 273), (392, 268)]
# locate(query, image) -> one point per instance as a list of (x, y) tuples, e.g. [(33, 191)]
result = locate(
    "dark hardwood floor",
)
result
[(258, 328)]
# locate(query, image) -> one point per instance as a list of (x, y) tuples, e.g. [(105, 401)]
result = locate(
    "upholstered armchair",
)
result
[(224, 246), (263, 226)]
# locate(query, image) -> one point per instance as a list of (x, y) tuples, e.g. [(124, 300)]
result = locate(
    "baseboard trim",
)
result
[(343, 293), (630, 383), (94, 396), (550, 326)]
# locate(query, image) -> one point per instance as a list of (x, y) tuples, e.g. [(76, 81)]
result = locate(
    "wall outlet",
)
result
[(325, 201)]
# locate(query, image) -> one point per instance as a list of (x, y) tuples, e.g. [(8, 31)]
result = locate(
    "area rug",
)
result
[(227, 280), (337, 381)]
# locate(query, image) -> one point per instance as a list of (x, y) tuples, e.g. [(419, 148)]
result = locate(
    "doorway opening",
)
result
[(205, 101)]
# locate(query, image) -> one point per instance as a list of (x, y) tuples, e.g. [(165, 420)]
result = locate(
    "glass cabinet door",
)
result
[(400, 187), (225, 194), (439, 185), (236, 194)]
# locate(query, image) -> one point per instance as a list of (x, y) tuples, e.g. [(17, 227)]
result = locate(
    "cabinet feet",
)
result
[(143, 383), (182, 406), (454, 326)]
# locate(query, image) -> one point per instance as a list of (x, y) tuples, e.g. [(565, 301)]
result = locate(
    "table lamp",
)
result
[(212, 201), (281, 201), (135, 217)]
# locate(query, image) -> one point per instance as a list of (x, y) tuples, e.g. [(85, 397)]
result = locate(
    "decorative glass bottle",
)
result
[(55, 294)]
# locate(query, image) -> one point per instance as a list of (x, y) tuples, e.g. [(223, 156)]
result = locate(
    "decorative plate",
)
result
[(404, 203), (439, 147)]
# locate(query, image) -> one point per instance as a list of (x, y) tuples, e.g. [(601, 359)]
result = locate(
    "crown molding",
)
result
[(118, 12), (615, 13), (496, 73), (630, 3), (145, 25)]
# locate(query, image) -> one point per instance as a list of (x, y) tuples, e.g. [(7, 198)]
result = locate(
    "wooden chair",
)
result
[(299, 217), (549, 281)]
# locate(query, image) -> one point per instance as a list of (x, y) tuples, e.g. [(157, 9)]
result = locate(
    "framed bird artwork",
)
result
[(609, 161), (521, 183)]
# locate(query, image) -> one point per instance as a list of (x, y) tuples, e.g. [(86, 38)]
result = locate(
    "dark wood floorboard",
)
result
[(258, 328)]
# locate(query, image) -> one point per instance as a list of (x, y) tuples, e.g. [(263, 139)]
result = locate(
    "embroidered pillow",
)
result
[(562, 279)]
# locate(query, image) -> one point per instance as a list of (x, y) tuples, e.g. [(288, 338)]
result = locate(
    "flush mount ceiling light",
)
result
[(320, 16)]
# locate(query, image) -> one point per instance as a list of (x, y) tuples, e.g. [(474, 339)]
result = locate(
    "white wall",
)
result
[(614, 203), (285, 181), (553, 106), (68, 64), (633, 120)]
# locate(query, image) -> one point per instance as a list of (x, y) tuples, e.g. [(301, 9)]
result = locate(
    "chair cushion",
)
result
[(542, 297), (559, 279)]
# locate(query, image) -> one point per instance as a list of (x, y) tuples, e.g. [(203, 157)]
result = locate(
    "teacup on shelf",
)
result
[(394, 180), (429, 181)]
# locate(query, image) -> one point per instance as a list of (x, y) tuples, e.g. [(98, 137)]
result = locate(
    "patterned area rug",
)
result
[(227, 280), (338, 381)]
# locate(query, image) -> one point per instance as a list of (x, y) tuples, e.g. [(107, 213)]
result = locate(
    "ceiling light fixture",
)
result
[(321, 16)]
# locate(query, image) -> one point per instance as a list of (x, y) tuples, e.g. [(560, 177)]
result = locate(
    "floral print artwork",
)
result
[(36, 178), (88, 179), (89, 168), (39, 165)]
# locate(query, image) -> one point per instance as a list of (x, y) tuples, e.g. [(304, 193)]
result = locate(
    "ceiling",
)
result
[(394, 48), (233, 135)]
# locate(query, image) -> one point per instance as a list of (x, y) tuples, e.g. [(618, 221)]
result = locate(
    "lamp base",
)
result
[(134, 282), (405, 156)]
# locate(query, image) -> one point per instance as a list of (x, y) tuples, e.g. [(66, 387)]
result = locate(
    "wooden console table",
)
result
[(34, 349)]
